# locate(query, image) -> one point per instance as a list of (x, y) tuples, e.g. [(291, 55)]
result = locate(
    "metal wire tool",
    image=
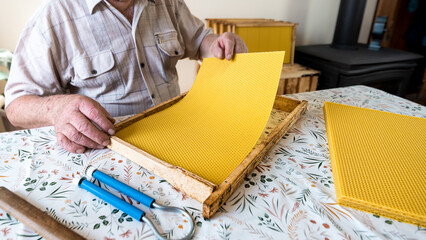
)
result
[(131, 192)]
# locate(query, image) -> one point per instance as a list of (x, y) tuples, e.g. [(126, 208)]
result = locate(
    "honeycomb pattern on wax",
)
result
[(213, 128), (378, 161)]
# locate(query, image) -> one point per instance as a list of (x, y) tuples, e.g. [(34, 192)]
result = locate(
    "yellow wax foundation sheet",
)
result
[(213, 128), (378, 161)]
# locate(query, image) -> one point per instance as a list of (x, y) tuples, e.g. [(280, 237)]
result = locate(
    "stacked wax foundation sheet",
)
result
[(213, 128), (379, 161)]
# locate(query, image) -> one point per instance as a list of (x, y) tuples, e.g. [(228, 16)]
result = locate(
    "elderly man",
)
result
[(80, 62)]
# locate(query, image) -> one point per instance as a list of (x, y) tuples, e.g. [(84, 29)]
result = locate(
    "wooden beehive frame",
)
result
[(221, 25), (211, 195), (296, 78)]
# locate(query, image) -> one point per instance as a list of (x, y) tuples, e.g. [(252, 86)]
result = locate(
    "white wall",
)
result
[(316, 18), (14, 15)]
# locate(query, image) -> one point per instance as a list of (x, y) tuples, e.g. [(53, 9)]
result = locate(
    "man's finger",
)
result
[(94, 112), (68, 144), (217, 50), (77, 137), (229, 44), (83, 125), (106, 114), (240, 46)]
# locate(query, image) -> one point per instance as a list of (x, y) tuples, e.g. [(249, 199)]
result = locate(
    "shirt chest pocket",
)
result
[(170, 48), (96, 75), (87, 67)]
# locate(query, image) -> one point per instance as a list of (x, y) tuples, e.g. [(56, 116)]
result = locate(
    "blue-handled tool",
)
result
[(111, 199), (124, 188), (131, 192)]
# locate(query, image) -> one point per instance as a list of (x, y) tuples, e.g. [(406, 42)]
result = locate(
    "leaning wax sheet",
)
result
[(379, 161), (213, 128)]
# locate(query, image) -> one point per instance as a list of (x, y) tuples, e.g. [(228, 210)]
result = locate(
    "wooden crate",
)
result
[(260, 35), (221, 25), (212, 196), (296, 78)]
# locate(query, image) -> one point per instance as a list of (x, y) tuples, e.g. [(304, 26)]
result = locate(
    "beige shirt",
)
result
[(88, 47)]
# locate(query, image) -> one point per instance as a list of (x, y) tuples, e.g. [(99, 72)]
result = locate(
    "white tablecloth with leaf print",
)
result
[(290, 195)]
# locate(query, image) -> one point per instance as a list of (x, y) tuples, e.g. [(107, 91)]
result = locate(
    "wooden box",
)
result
[(285, 113), (296, 78), (260, 35), (221, 25)]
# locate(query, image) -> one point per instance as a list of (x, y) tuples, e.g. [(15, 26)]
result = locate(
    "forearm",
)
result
[(32, 111)]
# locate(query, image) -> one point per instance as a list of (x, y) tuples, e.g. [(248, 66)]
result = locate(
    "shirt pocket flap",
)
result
[(169, 44), (95, 65)]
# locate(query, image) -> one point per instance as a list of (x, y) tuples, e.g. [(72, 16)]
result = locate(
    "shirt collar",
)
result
[(91, 4)]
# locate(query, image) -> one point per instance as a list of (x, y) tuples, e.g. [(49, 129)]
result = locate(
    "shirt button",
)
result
[(153, 95), (94, 71), (176, 52), (142, 64)]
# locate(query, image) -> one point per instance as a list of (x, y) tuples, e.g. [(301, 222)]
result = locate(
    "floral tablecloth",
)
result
[(290, 195)]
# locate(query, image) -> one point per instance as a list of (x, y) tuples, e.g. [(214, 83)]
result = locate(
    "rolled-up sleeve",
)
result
[(191, 29), (34, 69)]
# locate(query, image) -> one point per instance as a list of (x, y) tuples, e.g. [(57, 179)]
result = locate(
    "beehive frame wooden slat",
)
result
[(211, 195)]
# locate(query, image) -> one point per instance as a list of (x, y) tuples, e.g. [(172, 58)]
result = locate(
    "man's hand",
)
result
[(74, 118), (223, 46)]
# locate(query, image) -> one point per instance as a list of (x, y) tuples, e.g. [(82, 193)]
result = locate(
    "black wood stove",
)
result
[(346, 63)]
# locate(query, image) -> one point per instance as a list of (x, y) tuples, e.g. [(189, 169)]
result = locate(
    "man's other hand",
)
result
[(224, 46), (227, 45)]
